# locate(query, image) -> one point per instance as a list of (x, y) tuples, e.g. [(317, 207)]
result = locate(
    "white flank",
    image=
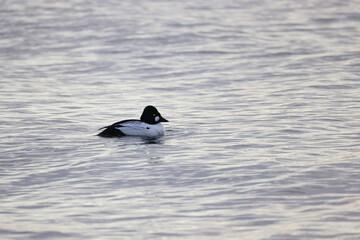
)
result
[(137, 128)]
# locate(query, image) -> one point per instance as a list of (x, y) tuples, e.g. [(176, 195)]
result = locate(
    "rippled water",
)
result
[(263, 99)]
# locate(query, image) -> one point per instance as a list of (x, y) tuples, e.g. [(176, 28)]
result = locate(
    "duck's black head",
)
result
[(151, 115)]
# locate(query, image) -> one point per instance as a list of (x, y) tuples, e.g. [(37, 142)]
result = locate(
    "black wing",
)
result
[(112, 130)]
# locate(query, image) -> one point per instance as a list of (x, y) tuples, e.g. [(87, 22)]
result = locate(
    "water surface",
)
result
[(263, 100)]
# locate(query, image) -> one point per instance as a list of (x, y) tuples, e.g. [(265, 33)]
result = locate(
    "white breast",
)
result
[(137, 128)]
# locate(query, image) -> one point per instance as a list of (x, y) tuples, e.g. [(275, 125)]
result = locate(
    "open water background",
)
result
[(263, 99)]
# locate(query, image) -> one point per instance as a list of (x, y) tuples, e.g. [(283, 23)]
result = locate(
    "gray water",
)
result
[(263, 99)]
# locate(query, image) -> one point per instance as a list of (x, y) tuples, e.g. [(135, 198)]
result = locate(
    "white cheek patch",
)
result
[(157, 118)]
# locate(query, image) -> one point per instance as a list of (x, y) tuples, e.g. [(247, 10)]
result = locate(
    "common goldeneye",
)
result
[(149, 125)]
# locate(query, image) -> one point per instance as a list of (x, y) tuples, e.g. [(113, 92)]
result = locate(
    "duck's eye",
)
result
[(154, 114)]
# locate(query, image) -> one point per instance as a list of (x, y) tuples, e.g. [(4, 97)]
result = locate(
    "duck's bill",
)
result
[(163, 119)]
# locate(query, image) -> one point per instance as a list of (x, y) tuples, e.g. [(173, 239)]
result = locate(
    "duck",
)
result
[(149, 125)]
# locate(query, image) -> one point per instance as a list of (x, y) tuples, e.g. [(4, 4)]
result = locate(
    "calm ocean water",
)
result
[(263, 99)]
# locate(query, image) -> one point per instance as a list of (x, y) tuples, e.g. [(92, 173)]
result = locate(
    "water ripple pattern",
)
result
[(263, 99)]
